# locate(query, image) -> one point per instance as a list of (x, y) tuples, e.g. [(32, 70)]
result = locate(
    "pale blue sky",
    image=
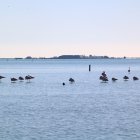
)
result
[(55, 27)]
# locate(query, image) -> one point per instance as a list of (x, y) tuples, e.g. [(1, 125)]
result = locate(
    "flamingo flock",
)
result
[(104, 77), (125, 78), (27, 78)]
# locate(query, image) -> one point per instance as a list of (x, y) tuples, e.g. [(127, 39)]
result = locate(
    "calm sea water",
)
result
[(87, 110)]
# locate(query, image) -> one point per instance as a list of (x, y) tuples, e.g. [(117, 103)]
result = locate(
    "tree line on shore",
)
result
[(74, 57)]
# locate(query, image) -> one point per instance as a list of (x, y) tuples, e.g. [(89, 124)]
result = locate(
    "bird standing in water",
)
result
[(103, 77), (126, 78), (13, 80), (1, 77)]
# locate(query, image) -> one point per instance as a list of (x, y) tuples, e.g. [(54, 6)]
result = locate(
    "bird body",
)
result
[(1, 77), (21, 78), (125, 77), (104, 79), (135, 78), (13, 79), (114, 79), (31, 77), (71, 80), (28, 78)]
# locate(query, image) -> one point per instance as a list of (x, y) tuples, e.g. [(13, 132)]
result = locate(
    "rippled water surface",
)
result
[(43, 109)]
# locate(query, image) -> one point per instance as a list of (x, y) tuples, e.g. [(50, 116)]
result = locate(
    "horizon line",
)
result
[(82, 57)]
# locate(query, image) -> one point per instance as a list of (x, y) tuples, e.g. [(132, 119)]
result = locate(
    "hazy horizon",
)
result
[(53, 28)]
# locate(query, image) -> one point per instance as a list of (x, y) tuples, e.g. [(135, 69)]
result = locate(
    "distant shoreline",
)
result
[(71, 57), (67, 58)]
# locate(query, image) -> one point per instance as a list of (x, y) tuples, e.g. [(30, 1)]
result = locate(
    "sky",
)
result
[(46, 28)]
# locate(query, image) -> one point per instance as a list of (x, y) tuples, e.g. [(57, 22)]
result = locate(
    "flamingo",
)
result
[(13, 79), (125, 77), (71, 80), (21, 78), (104, 79), (114, 79), (1, 77), (28, 78), (135, 78)]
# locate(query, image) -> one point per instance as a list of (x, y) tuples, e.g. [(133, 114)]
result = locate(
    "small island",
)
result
[(74, 57)]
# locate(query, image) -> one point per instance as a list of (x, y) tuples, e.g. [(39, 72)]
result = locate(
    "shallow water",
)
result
[(45, 110)]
